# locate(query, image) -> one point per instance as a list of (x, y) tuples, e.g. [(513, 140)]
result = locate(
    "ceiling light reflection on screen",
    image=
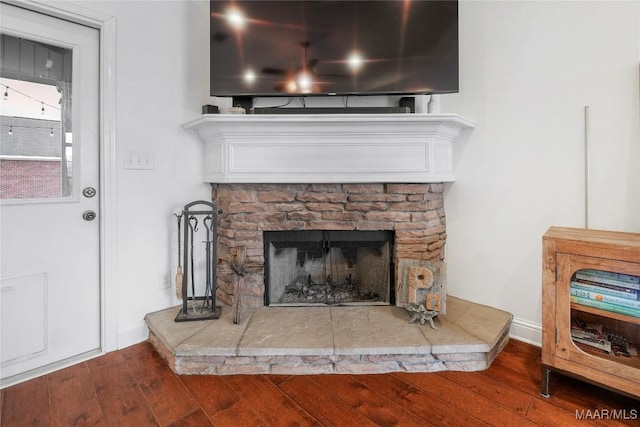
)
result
[(249, 76), (355, 61), (235, 18)]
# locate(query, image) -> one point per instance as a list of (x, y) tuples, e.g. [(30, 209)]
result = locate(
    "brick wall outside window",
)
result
[(21, 179)]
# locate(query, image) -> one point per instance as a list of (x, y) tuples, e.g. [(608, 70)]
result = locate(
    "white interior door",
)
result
[(49, 191)]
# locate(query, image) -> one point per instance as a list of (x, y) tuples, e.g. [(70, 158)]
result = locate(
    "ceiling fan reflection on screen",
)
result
[(304, 79)]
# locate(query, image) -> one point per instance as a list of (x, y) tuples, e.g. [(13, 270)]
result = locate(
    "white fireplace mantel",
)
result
[(328, 148)]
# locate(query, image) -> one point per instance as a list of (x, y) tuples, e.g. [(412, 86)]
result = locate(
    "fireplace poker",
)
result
[(208, 224), (238, 268), (193, 226), (179, 275)]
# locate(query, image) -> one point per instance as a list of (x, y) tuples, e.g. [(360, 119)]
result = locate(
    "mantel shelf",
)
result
[(328, 148)]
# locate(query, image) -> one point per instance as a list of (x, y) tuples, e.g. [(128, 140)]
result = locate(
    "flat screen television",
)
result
[(301, 48)]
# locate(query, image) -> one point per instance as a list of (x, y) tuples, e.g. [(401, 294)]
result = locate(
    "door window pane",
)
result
[(35, 117)]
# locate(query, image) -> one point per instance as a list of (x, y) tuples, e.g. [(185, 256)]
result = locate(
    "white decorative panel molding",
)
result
[(23, 317), (329, 148)]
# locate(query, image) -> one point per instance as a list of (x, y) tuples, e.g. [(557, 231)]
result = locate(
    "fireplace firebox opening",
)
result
[(328, 267)]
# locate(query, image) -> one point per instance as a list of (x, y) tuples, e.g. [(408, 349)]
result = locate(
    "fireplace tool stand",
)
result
[(200, 219)]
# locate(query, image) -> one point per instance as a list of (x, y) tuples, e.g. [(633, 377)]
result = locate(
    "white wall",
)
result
[(527, 71), (162, 82)]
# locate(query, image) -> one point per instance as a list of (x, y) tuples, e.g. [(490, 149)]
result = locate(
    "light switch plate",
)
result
[(139, 160)]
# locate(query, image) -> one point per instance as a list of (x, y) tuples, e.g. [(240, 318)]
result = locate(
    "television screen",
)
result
[(295, 48)]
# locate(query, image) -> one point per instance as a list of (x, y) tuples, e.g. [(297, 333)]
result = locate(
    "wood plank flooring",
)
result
[(134, 387)]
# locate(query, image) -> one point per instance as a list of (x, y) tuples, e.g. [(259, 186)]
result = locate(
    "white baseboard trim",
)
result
[(47, 369), (524, 330), (132, 334)]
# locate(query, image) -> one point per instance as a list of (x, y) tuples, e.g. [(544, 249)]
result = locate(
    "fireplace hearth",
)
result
[(330, 340)]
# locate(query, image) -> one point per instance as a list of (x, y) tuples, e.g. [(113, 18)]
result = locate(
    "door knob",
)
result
[(89, 215)]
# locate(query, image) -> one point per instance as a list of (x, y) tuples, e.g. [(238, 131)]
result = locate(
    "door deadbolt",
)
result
[(89, 192), (89, 215)]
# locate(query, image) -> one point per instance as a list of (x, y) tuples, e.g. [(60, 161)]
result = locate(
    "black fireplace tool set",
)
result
[(200, 219)]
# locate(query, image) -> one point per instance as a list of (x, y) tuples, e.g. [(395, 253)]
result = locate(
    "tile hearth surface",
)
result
[(323, 340)]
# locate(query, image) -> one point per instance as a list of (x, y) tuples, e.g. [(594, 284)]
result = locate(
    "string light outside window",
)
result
[(32, 96), (22, 104)]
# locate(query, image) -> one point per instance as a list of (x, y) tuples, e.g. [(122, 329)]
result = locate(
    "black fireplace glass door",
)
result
[(328, 267)]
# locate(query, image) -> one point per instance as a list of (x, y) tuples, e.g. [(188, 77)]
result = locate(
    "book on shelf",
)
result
[(603, 345), (629, 278), (609, 278), (588, 348), (618, 291), (627, 311), (602, 297), (593, 335), (621, 346)]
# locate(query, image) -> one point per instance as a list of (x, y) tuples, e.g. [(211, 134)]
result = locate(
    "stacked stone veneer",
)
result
[(356, 364), (415, 212)]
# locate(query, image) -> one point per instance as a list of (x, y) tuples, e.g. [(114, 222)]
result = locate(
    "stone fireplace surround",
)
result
[(415, 212)]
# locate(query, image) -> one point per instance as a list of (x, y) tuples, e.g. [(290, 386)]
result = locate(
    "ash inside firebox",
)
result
[(326, 293)]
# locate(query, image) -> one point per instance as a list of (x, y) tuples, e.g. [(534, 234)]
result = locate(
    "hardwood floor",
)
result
[(134, 387)]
